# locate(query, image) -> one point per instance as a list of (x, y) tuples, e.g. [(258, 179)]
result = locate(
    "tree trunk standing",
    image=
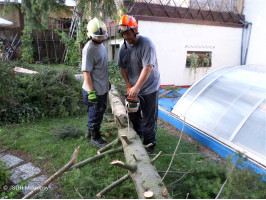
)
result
[(79, 14), (147, 181)]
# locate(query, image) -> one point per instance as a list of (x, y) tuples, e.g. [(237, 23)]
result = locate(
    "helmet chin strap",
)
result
[(135, 33), (125, 44), (96, 41)]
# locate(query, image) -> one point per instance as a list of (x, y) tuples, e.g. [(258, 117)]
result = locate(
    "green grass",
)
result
[(46, 149), (203, 180), (49, 152)]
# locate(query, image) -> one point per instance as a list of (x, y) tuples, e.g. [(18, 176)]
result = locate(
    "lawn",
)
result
[(49, 152), (191, 173)]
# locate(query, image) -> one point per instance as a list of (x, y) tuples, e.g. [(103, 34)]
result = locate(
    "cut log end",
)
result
[(117, 162), (165, 192), (148, 194), (125, 138), (99, 195)]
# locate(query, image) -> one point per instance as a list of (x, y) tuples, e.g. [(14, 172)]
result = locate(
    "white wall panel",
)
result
[(254, 12), (173, 40)]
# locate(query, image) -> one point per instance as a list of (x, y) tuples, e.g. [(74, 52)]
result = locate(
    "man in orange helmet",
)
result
[(139, 67)]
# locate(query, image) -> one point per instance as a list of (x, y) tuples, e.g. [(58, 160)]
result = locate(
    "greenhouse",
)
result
[(226, 111)]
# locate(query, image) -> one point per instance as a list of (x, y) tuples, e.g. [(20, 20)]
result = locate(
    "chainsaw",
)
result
[(132, 103)]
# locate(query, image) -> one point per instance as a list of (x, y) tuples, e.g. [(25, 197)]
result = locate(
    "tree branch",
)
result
[(156, 157), (220, 191), (85, 162), (125, 138), (72, 161), (131, 168), (103, 149), (114, 184)]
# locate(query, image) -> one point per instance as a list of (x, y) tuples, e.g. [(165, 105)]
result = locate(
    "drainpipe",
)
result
[(245, 34)]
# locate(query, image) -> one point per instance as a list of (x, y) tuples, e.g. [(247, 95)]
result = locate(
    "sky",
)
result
[(68, 2)]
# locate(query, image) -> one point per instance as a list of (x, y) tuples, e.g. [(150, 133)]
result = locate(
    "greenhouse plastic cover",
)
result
[(229, 105)]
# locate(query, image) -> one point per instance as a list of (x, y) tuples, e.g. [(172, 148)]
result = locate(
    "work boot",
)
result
[(97, 140), (151, 149)]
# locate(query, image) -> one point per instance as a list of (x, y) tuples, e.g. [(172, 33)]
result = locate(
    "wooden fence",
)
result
[(48, 47)]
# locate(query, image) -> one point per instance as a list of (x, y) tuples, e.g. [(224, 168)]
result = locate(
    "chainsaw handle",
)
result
[(133, 100)]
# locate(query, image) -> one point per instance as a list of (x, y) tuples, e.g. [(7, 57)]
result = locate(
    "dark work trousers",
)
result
[(145, 119), (96, 111)]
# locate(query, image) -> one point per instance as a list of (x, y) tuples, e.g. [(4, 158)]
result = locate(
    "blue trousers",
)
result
[(145, 119), (96, 111)]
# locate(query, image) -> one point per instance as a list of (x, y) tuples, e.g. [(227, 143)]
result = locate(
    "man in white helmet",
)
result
[(96, 80)]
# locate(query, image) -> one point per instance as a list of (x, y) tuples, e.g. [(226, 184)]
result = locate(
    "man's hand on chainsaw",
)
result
[(132, 101), (92, 97), (133, 92)]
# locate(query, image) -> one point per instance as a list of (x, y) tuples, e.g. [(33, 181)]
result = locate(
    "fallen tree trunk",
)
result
[(147, 181)]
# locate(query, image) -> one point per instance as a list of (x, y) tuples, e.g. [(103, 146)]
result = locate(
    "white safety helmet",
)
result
[(97, 29)]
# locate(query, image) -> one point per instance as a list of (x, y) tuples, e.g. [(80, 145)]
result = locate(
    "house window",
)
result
[(115, 50), (199, 59)]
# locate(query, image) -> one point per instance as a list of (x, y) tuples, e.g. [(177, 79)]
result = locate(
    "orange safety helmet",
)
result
[(126, 23)]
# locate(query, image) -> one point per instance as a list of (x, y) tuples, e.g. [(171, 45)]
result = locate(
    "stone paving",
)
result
[(21, 169)]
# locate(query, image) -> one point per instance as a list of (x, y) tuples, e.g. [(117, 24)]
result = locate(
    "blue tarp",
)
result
[(169, 100)]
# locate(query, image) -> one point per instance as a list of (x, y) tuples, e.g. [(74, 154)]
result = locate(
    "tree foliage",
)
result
[(102, 9), (54, 93), (36, 12), (27, 44)]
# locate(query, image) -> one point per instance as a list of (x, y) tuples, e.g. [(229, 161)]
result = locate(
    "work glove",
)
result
[(92, 97)]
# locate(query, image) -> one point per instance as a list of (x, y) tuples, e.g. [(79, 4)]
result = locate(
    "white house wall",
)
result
[(254, 12), (173, 40)]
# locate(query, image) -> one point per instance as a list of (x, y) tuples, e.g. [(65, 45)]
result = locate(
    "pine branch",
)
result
[(77, 191), (72, 161), (181, 177), (114, 184)]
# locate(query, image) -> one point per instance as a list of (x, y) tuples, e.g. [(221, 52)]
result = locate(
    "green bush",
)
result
[(203, 182), (116, 78), (242, 182), (24, 98)]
